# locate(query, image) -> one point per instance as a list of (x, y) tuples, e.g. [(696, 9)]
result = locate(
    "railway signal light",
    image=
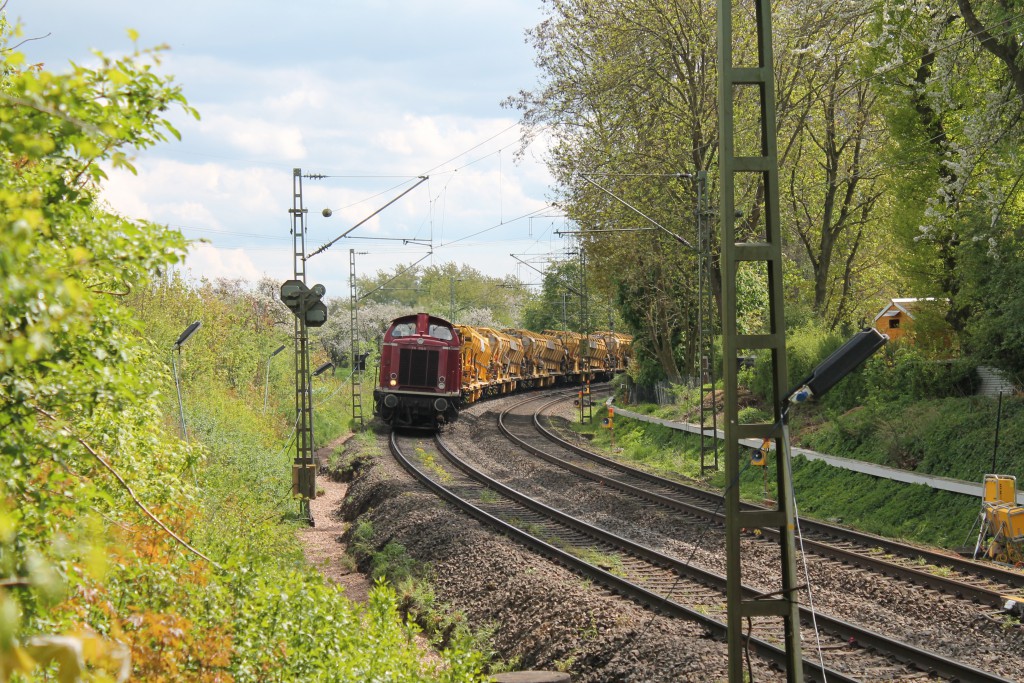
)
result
[(305, 302), (759, 457)]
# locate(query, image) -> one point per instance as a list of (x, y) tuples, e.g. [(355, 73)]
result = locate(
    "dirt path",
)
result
[(322, 543)]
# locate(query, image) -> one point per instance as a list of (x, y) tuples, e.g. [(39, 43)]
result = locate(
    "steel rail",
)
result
[(984, 570), (994, 597), (614, 583), (923, 660)]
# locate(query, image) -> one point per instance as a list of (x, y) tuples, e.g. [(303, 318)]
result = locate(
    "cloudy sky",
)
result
[(372, 93)]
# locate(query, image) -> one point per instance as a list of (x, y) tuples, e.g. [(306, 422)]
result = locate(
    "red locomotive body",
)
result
[(420, 383)]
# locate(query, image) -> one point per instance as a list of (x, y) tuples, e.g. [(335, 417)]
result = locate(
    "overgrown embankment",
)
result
[(901, 409)]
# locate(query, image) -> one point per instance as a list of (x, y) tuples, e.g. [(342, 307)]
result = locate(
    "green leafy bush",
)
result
[(179, 560), (806, 347)]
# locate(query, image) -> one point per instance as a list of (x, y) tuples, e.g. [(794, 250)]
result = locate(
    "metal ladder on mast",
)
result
[(759, 248), (303, 468), (706, 334), (357, 370)]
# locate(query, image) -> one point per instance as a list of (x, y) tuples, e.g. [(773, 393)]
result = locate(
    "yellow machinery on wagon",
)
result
[(1001, 537)]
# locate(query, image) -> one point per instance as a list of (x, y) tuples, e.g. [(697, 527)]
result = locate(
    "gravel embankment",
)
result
[(543, 616)]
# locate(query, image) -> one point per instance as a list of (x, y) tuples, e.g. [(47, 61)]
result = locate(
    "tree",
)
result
[(77, 387), (436, 289), (831, 139), (629, 93), (952, 77)]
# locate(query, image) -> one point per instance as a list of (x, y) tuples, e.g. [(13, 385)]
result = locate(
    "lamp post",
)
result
[(316, 373), (322, 369), (266, 390), (182, 338)]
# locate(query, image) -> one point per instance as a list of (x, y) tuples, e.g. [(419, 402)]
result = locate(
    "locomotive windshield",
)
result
[(404, 329), (440, 332)]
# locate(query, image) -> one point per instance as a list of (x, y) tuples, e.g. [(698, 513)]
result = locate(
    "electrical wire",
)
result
[(803, 559), (498, 225), (464, 153)]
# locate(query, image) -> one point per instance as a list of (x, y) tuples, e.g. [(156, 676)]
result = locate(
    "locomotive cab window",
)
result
[(403, 330), (440, 332)]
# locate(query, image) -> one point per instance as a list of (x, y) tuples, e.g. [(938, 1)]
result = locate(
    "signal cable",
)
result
[(803, 561)]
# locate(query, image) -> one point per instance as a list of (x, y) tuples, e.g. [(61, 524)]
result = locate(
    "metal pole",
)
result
[(999, 415), (757, 83), (357, 371), (303, 471), (177, 385), (266, 389)]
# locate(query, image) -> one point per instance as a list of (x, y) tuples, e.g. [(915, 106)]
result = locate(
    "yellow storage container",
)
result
[(999, 489), (553, 354), (531, 363), (476, 362), (498, 369), (1014, 524), (598, 352)]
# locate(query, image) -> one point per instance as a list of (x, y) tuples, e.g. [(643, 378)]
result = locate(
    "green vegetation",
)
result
[(823, 492), (899, 166), (168, 559), (901, 410), (428, 461), (443, 625)]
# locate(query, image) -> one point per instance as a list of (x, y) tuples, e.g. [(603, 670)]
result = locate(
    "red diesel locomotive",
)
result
[(420, 382)]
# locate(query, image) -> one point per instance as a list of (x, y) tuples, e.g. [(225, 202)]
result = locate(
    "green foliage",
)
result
[(883, 507), (950, 437), (77, 389), (902, 373), (954, 118), (996, 334), (89, 454), (897, 373), (558, 306), (478, 299), (655, 447), (806, 347)]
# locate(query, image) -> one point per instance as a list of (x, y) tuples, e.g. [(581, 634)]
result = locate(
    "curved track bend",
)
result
[(657, 580)]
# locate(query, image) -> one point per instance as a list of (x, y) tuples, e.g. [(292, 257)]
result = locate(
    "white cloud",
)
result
[(208, 261), (350, 90), (256, 137)]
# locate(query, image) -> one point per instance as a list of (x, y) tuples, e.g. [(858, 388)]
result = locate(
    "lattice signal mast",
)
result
[(759, 248)]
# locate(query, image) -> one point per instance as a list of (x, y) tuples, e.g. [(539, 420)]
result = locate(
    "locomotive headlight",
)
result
[(393, 382), (440, 382)]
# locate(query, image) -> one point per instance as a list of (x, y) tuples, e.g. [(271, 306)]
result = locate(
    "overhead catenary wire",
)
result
[(442, 195), (327, 246), (498, 225)]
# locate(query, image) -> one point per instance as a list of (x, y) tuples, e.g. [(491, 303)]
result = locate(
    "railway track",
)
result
[(660, 581), (981, 583)]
